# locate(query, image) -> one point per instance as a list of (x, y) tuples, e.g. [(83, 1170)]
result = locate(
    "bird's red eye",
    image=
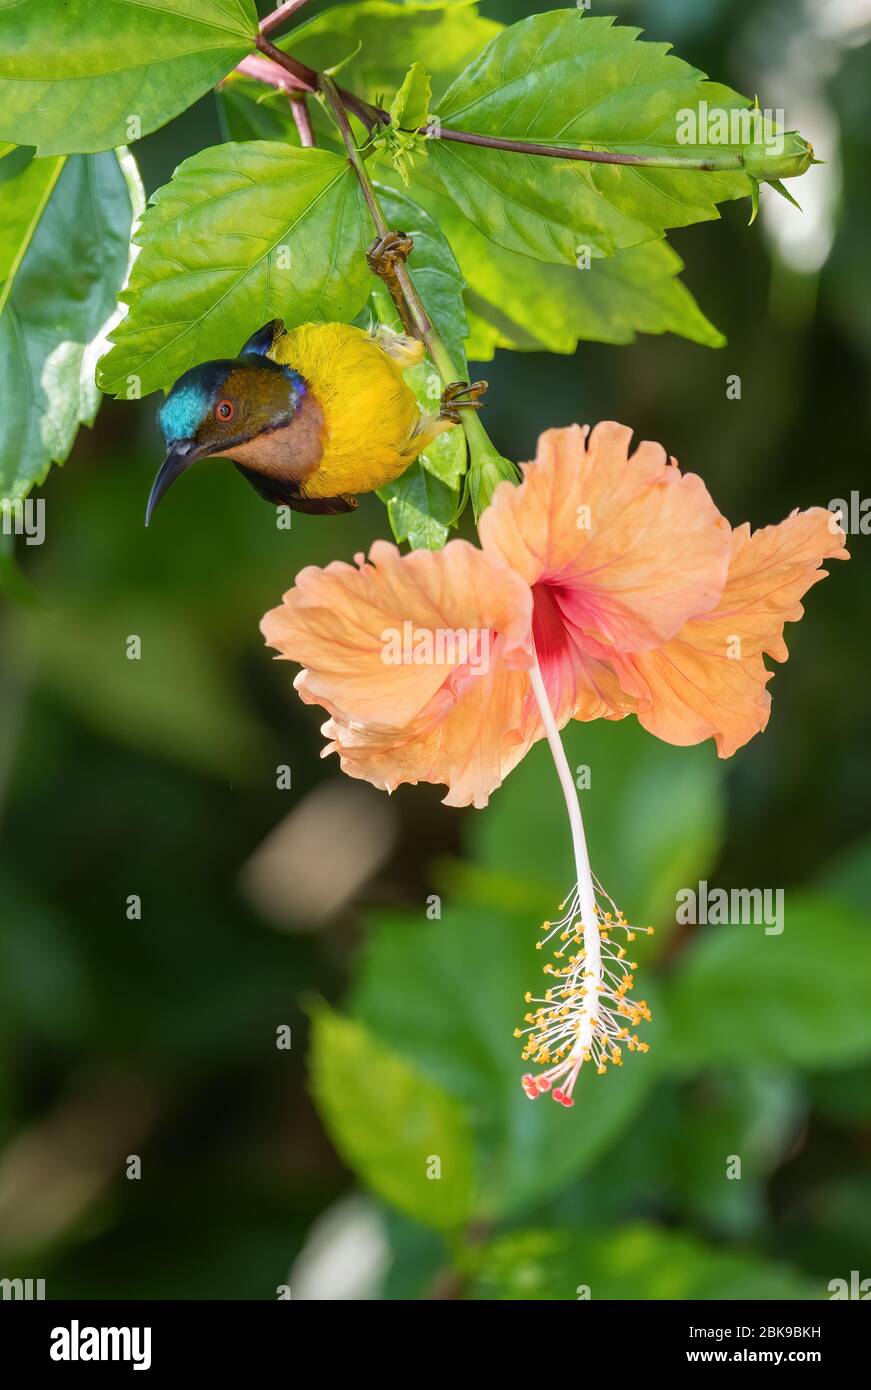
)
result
[(224, 411)]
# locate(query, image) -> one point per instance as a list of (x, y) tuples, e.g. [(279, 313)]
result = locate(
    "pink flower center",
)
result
[(560, 615), (548, 624)]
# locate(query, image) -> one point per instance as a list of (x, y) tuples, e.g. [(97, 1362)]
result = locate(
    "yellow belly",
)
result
[(372, 421)]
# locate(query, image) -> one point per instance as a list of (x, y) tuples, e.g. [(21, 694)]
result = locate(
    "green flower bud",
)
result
[(764, 163), (485, 475)]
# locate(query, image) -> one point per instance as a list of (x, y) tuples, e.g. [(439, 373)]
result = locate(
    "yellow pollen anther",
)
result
[(580, 1018)]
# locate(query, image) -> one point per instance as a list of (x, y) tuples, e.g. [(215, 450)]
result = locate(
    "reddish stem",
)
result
[(495, 142), (264, 70), (298, 75), (299, 108), (277, 18), (310, 80), (306, 76)]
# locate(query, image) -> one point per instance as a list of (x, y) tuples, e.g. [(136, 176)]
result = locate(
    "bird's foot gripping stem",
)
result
[(461, 395), (386, 250), (382, 258)]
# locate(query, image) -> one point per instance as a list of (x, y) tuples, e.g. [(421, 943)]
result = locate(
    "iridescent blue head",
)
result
[(218, 408)]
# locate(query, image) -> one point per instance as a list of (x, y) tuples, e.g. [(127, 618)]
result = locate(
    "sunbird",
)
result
[(310, 416)]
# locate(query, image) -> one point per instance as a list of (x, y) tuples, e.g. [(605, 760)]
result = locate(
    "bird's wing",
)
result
[(286, 494), (261, 343)]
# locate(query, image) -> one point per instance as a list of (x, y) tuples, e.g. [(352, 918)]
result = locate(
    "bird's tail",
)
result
[(429, 427)]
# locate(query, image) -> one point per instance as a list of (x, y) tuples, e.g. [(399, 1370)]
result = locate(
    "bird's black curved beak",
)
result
[(180, 457)]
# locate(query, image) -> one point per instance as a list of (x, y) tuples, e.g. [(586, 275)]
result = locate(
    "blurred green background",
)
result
[(156, 1035)]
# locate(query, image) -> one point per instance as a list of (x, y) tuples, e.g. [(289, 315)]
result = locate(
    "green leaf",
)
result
[(529, 305), (447, 995), (562, 78), (241, 234), (636, 1262), (634, 291), (801, 998), (410, 107), (408, 111), (420, 508), (389, 1123), (76, 76), (25, 188), (387, 37), (653, 816), (65, 261)]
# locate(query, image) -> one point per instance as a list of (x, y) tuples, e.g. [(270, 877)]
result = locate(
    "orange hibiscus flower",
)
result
[(607, 584)]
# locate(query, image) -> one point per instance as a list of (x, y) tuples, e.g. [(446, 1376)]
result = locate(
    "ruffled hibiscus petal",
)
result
[(628, 546), (470, 747), (710, 680), (445, 709)]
